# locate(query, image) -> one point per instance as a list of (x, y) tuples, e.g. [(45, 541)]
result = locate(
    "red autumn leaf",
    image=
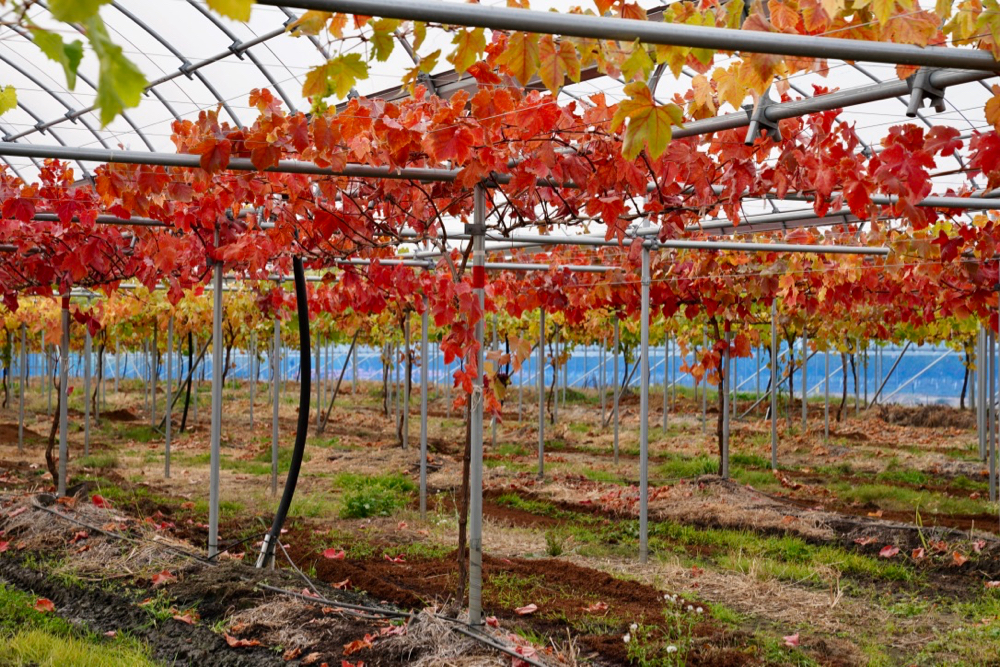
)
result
[(527, 609), (342, 585), (334, 554), (792, 640), (44, 605), (18, 511), (240, 643), (888, 551), (397, 559), (100, 501), (4, 546), (358, 645), (978, 546), (597, 606), (163, 578), (188, 616), (958, 559), (918, 553), (309, 594), (80, 535), (993, 584)]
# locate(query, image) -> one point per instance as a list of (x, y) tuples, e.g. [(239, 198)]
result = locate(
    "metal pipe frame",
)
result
[(424, 378), (644, 411), (63, 397), (216, 427), (648, 32), (170, 398), (541, 392)]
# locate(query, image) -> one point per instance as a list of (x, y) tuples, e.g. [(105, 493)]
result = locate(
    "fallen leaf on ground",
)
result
[(44, 605), (358, 645), (163, 578), (291, 654), (397, 559), (342, 585), (334, 554), (80, 535), (993, 584), (17, 512), (918, 553), (188, 616), (888, 551), (241, 643), (958, 559), (100, 501), (865, 541), (792, 640), (597, 606), (527, 609)]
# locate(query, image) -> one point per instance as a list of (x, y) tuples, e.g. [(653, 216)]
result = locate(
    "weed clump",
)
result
[(373, 495)]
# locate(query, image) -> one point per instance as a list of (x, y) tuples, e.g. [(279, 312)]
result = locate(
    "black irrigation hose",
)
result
[(302, 428)]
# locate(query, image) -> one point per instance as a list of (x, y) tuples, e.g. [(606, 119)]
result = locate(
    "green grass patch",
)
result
[(102, 461), (372, 495), (29, 637), (680, 467)]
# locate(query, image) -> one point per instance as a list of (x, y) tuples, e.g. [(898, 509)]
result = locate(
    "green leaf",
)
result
[(649, 123), (234, 9), (119, 82), (8, 99), (67, 55), (383, 38), (75, 11), (336, 76)]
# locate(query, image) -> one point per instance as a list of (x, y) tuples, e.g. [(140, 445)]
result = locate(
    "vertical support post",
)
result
[(991, 412), (555, 377), (602, 380), (857, 386), (541, 392), (496, 346), (64, 396), (805, 380), (23, 372), (354, 373), (520, 388), (170, 397), (826, 395), (154, 375), (215, 455), (406, 383), (195, 384), (48, 374), (476, 413), (448, 380), (117, 367), (724, 388), (666, 377), (617, 385), (424, 378), (275, 402), (644, 411), (87, 344), (756, 393), (774, 385), (319, 379), (981, 375), (253, 372), (704, 388)]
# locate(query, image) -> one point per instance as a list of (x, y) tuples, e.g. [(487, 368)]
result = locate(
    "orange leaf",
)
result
[(163, 578), (240, 643), (958, 559), (44, 605)]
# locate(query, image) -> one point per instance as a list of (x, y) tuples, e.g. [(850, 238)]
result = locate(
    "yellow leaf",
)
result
[(238, 10), (649, 124), (556, 62), (8, 99), (728, 86), (521, 56), (469, 46), (310, 23), (993, 108), (673, 56)]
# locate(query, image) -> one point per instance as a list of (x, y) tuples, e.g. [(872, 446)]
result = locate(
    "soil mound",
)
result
[(927, 416)]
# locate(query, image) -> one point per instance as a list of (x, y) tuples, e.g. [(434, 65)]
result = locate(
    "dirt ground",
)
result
[(877, 545)]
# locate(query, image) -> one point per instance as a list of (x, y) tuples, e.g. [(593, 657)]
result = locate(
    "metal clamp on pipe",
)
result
[(921, 88), (759, 120)]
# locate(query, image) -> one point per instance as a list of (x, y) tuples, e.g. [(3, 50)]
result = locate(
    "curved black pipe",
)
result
[(302, 427)]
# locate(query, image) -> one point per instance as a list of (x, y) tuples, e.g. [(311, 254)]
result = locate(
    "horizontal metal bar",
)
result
[(672, 34)]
